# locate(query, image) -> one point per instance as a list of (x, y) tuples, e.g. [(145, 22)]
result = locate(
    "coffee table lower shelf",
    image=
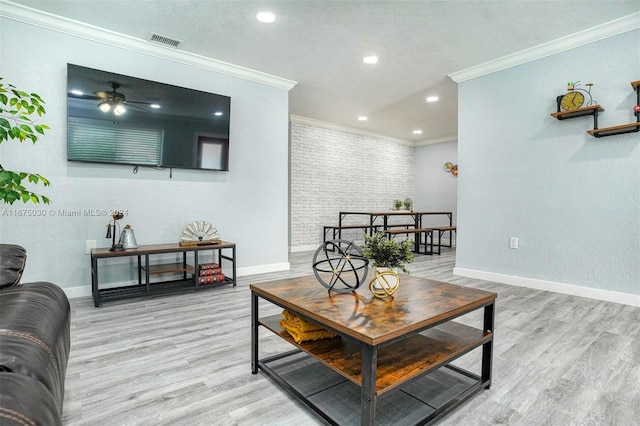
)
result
[(337, 400), (415, 386)]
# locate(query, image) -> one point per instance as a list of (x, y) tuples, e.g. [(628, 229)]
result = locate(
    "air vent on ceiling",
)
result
[(164, 40)]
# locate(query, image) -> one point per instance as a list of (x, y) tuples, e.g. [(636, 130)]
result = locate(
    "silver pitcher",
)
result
[(127, 238)]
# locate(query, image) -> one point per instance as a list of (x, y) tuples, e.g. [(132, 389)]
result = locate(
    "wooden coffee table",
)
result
[(385, 364)]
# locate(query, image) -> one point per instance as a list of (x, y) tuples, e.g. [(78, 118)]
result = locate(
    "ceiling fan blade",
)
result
[(139, 102), (129, 104), (88, 97), (112, 96)]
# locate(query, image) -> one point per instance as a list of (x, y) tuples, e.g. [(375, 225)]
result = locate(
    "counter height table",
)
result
[(390, 360), (416, 217)]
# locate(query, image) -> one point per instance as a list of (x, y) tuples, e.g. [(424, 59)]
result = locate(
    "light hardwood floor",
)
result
[(185, 359)]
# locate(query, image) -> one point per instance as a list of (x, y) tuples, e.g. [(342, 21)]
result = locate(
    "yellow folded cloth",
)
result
[(302, 330), (299, 323)]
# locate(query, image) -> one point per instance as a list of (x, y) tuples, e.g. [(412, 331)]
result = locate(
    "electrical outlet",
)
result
[(513, 242), (88, 245)]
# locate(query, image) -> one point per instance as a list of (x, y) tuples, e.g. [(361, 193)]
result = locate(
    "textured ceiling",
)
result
[(320, 45)]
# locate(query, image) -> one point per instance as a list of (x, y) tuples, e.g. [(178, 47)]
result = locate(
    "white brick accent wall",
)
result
[(333, 170)]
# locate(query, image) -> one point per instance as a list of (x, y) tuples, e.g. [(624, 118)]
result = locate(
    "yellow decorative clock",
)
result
[(572, 100), (575, 98), (199, 233)]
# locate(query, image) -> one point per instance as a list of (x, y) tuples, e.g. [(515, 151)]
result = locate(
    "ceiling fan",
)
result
[(113, 100)]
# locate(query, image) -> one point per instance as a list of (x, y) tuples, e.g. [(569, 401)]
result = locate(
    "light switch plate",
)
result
[(513, 242)]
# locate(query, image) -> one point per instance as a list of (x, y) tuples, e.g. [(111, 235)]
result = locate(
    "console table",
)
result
[(391, 362), (223, 251)]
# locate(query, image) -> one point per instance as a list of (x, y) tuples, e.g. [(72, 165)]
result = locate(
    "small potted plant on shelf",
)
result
[(397, 204), (386, 257)]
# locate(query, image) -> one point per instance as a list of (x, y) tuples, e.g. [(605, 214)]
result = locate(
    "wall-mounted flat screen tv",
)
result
[(113, 118)]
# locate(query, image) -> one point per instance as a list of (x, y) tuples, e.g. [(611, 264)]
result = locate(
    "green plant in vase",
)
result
[(397, 204), (386, 253), (16, 111), (386, 256)]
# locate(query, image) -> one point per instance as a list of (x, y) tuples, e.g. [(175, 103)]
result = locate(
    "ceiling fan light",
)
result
[(119, 109), (104, 106)]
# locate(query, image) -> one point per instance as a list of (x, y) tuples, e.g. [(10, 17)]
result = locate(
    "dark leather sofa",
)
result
[(34, 345)]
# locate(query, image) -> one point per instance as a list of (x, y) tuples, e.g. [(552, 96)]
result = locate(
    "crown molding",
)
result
[(600, 32), (451, 138), (353, 130), (78, 29)]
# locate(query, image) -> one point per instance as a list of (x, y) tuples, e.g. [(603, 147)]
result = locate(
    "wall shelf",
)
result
[(622, 128), (580, 112), (615, 130), (593, 110)]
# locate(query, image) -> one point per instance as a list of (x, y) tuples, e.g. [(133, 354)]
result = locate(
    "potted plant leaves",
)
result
[(386, 256), (16, 111)]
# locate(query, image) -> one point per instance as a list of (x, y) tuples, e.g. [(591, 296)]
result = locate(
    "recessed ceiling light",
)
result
[(417, 132), (266, 17), (362, 118), (370, 59), (432, 98), (154, 106), (218, 113)]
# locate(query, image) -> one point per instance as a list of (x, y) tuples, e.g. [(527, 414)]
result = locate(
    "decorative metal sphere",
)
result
[(340, 262)]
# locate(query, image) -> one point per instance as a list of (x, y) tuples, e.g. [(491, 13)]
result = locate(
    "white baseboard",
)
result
[(77, 292), (574, 290), (263, 269), (298, 249), (85, 291)]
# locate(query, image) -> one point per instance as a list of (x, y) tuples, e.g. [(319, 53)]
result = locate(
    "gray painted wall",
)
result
[(571, 199), (436, 189), (248, 204)]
